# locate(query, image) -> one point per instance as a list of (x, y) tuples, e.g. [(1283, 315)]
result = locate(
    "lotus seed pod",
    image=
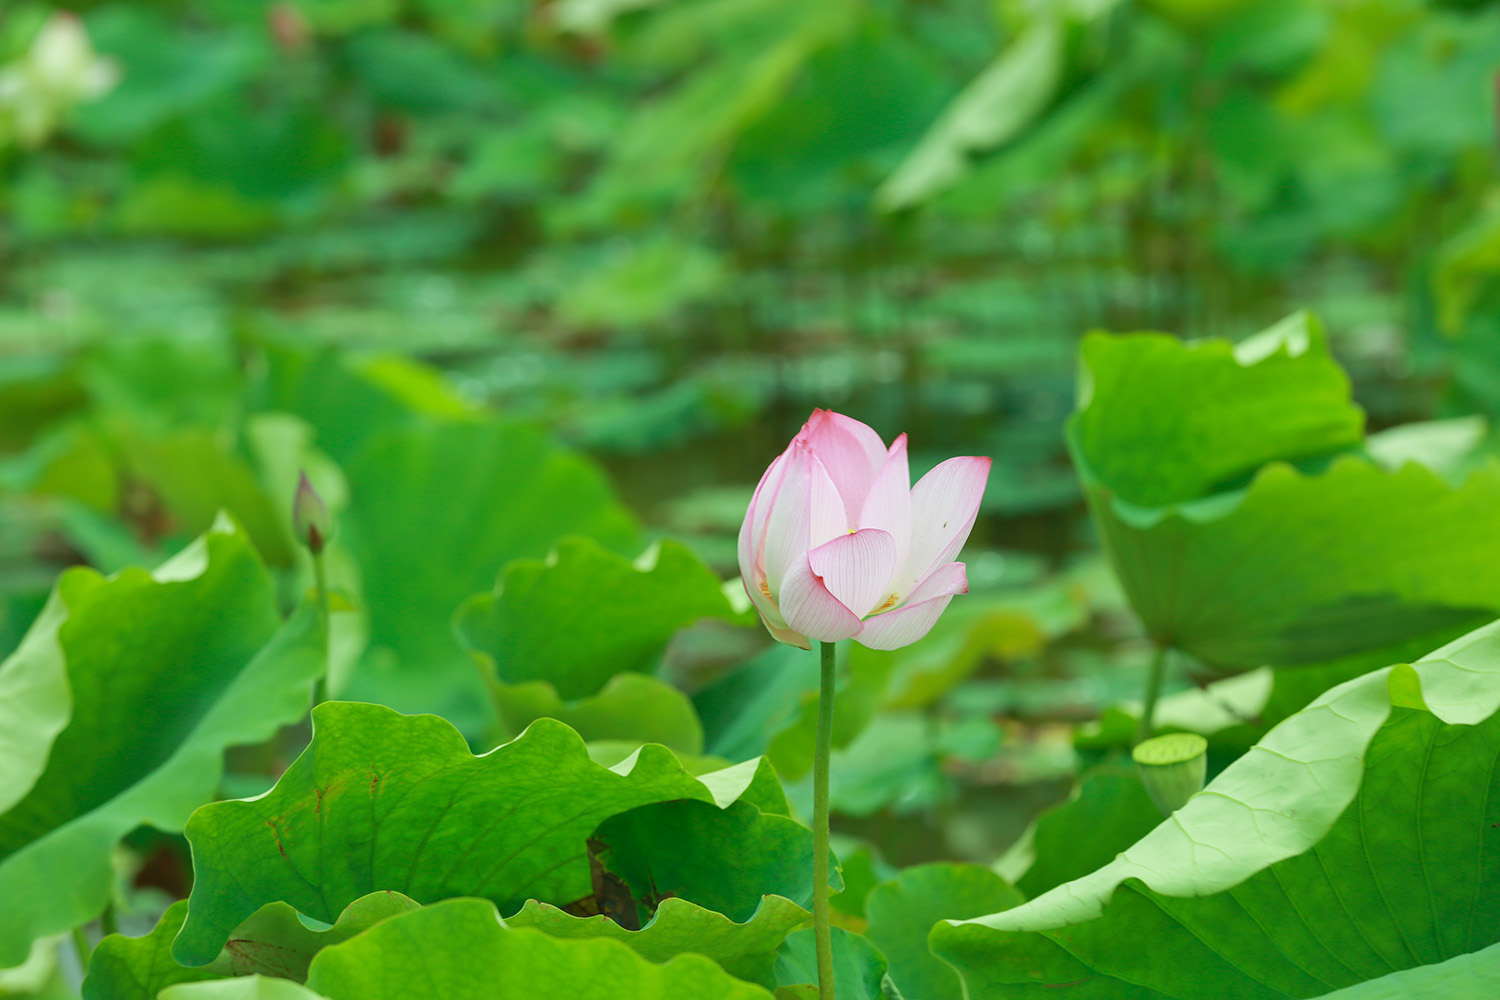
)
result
[(1173, 768)]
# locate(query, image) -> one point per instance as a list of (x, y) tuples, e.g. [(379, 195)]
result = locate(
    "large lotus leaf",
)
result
[(1109, 811), (244, 988), (164, 671), (902, 913), (350, 399), (1162, 422), (380, 800), (730, 882), (460, 950), (1359, 838), (726, 859), (273, 942), (630, 709), (743, 708), (35, 703), (745, 950), (436, 509), (768, 705), (1295, 567), (585, 614), (1476, 974), (196, 478), (127, 968)]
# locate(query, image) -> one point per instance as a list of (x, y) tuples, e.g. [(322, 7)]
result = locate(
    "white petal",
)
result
[(850, 450), (811, 610), (943, 507), (856, 568), (788, 517), (888, 505), (907, 624)]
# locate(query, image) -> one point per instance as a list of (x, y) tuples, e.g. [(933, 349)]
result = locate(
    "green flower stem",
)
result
[(107, 923), (822, 930), (320, 585), (1153, 692)]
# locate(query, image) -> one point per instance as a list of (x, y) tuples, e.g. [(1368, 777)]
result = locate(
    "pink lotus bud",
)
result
[(838, 544), (310, 520)]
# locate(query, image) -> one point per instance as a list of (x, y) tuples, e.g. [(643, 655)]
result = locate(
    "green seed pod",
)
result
[(1173, 768)]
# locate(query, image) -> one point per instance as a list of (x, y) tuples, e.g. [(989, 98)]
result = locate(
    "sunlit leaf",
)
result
[(166, 670), (745, 950), (461, 948), (1227, 548), (245, 988), (1359, 838), (386, 801), (528, 628), (436, 510), (273, 941)]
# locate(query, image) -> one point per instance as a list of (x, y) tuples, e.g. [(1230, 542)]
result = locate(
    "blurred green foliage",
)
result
[(500, 274), (655, 224)]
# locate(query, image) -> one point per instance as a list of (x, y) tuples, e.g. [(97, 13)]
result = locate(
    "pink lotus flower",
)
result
[(838, 544)]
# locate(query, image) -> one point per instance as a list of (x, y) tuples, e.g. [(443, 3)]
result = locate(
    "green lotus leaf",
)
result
[(1109, 811), (127, 968), (379, 800), (436, 509), (1361, 837), (461, 950), (903, 911), (745, 950), (35, 703), (163, 671), (196, 477), (630, 707), (1476, 974), (726, 882), (527, 629), (594, 678), (726, 859), (243, 988), (858, 967), (274, 941), (1247, 528)]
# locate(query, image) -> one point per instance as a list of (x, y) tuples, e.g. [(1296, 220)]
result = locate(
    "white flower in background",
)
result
[(60, 70)]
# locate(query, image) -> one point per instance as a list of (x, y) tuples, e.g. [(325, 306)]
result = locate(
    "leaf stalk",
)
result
[(320, 586), (1153, 692)]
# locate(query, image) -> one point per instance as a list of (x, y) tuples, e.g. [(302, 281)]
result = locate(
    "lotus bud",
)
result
[(310, 521), (838, 544)]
